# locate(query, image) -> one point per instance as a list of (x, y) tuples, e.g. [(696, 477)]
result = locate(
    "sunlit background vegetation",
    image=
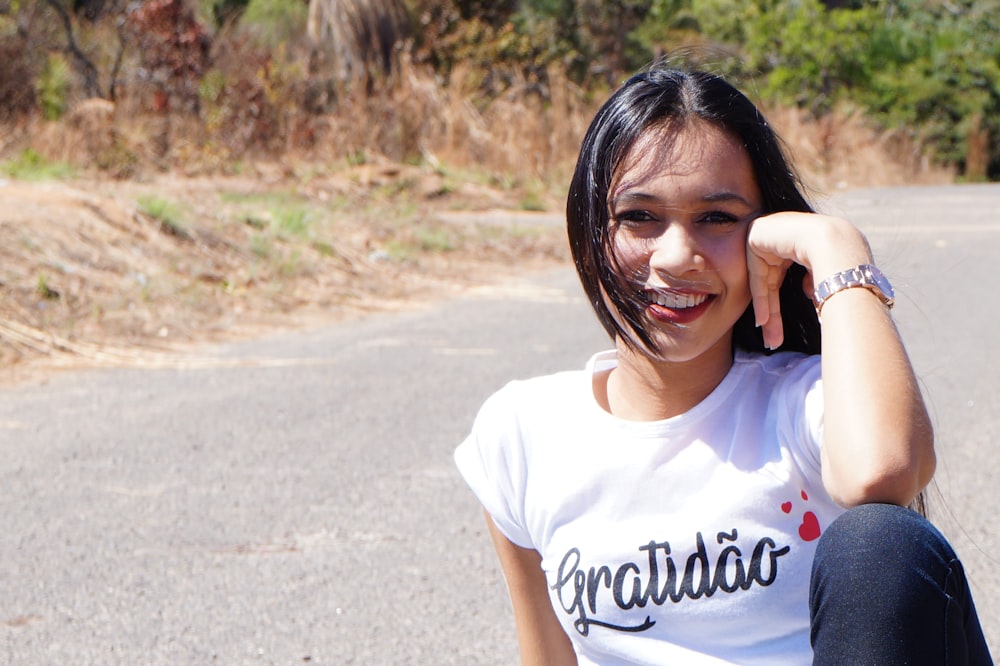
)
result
[(205, 85), (225, 164)]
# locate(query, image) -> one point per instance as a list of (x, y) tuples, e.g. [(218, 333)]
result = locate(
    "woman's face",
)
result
[(679, 211)]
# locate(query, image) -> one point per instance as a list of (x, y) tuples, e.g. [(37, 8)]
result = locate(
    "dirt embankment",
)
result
[(138, 271), (135, 273)]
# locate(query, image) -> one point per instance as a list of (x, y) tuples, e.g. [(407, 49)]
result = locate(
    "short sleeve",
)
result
[(491, 460), (801, 400)]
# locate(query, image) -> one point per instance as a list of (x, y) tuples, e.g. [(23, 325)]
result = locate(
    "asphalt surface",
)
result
[(293, 500)]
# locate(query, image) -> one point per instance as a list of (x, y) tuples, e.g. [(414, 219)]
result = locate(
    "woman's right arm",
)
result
[(541, 638)]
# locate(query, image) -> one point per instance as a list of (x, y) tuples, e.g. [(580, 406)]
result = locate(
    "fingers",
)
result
[(774, 332), (773, 328), (765, 283), (758, 269)]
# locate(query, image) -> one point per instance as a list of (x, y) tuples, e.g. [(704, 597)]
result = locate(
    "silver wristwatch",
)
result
[(865, 275)]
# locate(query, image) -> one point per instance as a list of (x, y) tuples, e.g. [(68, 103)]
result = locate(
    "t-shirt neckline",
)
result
[(608, 359)]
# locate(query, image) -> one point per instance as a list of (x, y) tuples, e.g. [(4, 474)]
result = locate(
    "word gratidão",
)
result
[(631, 585)]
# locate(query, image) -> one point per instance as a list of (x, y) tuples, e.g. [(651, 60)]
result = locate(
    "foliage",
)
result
[(452, 34), (929, 67), (942, 75), (274, 22), (808, 51), (255, 74), (166, 213), (241, 97), (672, 29), (220, 12), (30, 165), (173, 48), (53, 86), (44, 290), (590, 39), (292, 221)]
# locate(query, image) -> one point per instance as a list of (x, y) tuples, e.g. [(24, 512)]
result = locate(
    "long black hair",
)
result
[(655, 97)]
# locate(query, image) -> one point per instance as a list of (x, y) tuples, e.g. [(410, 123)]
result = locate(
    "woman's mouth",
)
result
[(677, 307)]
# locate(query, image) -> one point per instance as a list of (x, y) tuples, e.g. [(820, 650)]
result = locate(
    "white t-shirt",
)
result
[(686, 541)]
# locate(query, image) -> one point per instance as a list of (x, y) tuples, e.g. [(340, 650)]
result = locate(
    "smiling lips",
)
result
[(677, 307)]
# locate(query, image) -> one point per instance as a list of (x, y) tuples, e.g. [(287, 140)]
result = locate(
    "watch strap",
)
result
[(865, 275)]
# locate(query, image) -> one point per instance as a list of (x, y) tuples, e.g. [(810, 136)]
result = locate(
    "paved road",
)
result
[(294, 501)]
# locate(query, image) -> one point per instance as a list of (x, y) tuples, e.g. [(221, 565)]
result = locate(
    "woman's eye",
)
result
[(633, 217), (719, 217)]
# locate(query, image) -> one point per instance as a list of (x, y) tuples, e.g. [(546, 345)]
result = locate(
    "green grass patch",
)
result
[(291, 265), (44, 290), (285, 214), (267, 199), (30, 165), (293, 221), (261, 246), (437, 240), (423, 241), (533, 202), (324, 248), (399, 250), (167, 213)]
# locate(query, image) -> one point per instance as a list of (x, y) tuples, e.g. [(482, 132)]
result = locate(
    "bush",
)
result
[(274, 22), (53, 87), (254, 82), (940, 76), (928, 67), (30, 165)]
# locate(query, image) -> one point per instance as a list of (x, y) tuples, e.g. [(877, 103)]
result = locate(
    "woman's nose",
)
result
[(676, 251)]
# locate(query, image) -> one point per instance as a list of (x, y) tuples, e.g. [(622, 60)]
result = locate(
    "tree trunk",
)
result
[(361, 37)]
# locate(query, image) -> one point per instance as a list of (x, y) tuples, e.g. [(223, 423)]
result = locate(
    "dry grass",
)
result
[(197, 101), (516, 137), (841, 151)]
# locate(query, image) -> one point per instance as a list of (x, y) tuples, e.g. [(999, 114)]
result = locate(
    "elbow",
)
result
[(900, 488), (887, 481)]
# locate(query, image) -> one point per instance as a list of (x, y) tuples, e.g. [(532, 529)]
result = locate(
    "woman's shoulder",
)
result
[(546, 394), (542, 389)]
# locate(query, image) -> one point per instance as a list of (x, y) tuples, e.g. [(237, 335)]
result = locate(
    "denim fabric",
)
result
[(888, 589)]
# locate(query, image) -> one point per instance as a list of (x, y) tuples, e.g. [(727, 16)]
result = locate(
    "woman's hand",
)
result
[(822, 244)]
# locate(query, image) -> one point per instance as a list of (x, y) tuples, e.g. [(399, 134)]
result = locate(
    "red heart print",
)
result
[(786, 507), (809, 529)]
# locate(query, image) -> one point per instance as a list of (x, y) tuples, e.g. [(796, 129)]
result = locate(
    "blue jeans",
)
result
[(888, 589)]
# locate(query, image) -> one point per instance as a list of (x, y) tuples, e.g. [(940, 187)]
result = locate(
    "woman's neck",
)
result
[(641, 388)]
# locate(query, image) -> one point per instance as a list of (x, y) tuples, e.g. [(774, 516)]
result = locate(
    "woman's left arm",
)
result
[(878, 443)]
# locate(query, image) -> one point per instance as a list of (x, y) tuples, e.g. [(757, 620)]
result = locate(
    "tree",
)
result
[(361, 37)]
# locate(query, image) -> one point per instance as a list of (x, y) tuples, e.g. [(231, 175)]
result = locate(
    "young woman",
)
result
[(725, 486)]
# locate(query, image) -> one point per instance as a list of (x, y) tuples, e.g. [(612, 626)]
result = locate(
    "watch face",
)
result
[(881, 282)]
